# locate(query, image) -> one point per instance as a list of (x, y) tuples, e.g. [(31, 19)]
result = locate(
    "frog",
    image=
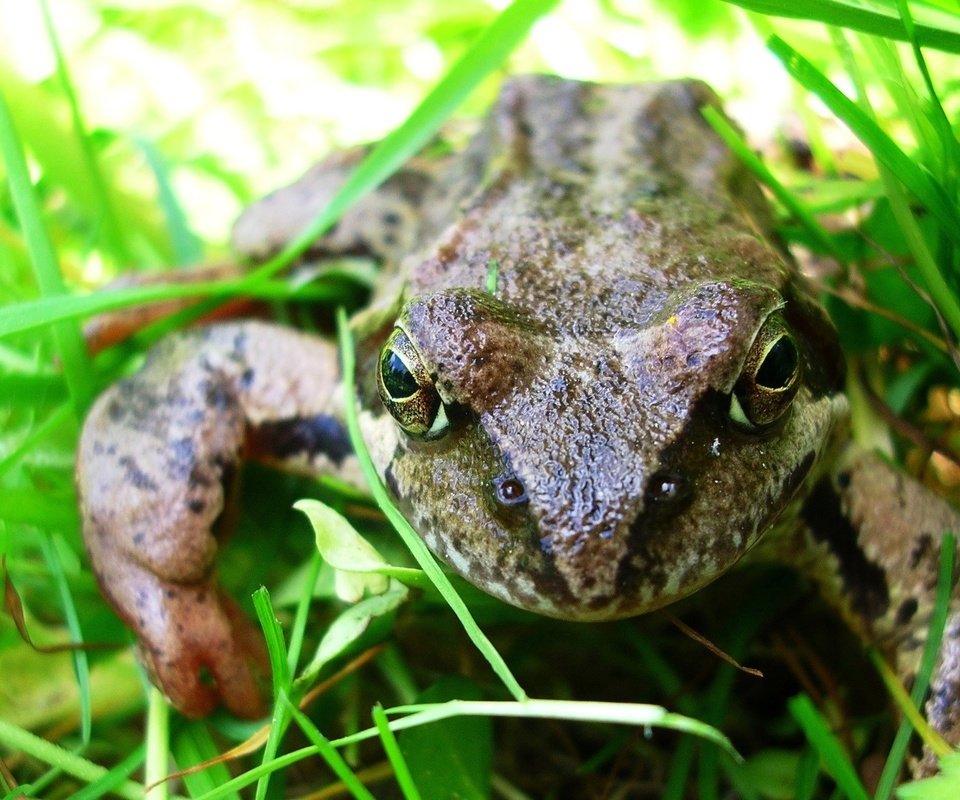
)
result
[(591, 377)]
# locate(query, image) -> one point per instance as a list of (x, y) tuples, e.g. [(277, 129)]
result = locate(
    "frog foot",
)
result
[(194, 641), (157, 455)]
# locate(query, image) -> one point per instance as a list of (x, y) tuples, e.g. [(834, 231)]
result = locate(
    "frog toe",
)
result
[(203, 652)]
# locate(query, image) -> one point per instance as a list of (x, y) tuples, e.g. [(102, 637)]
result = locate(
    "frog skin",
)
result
[(591, 378)]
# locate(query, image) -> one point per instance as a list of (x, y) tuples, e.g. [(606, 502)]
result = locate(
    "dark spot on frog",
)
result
[(217, 395), (199, 477), (390, 479), (239, 343), (797, 475), (863, 580), (136, 476), (171, 594), (321, 434), (246, 379), (181, 458), (922, 549), (196, 506), (391, 219), (906, 610), (200, 597), (139, 538)]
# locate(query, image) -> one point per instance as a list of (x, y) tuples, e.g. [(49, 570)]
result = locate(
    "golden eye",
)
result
[(770, 377), (407, 391)]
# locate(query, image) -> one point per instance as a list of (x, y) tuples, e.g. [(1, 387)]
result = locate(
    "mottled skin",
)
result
[(589, 294)]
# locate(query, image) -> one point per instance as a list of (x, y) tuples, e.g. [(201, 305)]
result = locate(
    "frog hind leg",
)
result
[(873, 537), (155, 453)]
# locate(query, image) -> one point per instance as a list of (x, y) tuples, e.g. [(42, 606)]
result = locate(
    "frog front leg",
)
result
[(873, 537), (155, 455)]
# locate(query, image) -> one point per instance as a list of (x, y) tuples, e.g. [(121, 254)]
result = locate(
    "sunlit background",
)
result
[(238, 96)]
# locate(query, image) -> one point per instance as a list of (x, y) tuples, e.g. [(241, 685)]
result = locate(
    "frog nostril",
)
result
[(668, 489), (509, 490)]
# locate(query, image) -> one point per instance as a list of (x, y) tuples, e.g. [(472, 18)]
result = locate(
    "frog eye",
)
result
[(407, 390), (770, 378)]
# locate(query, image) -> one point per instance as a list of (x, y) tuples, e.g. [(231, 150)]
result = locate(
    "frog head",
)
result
[(603, 467)]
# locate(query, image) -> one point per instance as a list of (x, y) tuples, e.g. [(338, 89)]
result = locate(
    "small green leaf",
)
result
[(350, 625), (357, 563)]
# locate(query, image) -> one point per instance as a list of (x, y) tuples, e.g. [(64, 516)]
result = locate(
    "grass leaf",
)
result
[(835, 759), (933, 27), (73, 354)]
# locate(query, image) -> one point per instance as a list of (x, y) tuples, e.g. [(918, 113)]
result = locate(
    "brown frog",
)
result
[(591, 378)]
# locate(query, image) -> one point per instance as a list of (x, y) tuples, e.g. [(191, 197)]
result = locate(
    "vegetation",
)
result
[(132, 133)]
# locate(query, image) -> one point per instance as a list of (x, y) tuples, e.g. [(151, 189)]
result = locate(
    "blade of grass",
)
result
[(486, 54), (17, 739), (937, 29), (329, 754), (186, 246), (636, 714), (835, 760), (35, 314), (400, 769), (158, 746), (788, 199), (280, 672), (81, 664), (113, 234), (299, 627), (69, 342), (193, 744), (108, 784), (410, 538)]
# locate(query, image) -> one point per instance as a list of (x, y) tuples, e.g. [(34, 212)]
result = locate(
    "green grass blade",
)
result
[(280, 672), (329, 754), (932, 27), (107, 785), (834, 758), (193, 744), (158, 746), (113, 236), (34, 314), (186, 245), (390, 746), (69, 342), (485, 55), (81, 664), (410, 538), (788, 199), (17, 739)]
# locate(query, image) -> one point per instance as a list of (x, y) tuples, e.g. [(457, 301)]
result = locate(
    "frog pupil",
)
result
[(779, 365), (397, 379)]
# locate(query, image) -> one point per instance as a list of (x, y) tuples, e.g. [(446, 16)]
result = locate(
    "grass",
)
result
[(395, 704)]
